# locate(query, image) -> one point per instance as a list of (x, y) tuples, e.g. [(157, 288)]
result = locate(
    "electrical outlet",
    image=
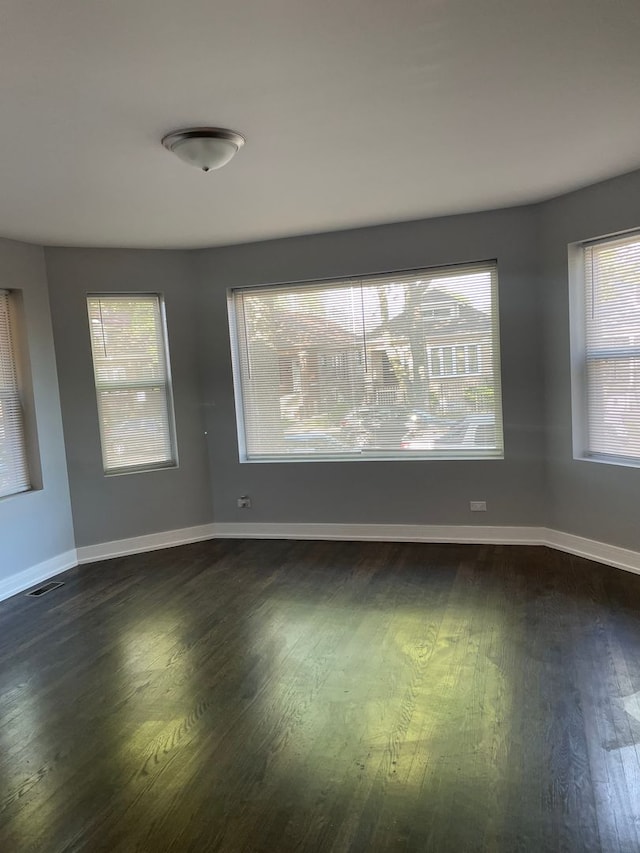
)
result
[(478, 506), (244, 502)]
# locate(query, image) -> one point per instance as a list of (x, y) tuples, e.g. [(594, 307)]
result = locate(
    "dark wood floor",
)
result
[(281, 696)]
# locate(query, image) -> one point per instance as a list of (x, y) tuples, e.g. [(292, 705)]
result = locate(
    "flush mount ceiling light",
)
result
[(208, 148)]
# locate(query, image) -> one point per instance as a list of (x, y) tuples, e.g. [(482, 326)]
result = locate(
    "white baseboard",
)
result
[(385, 533), (139, 544), (611, 555), (37, 574), (601, 552)]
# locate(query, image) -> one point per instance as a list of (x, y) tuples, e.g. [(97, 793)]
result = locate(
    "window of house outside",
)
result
[(398, 366), (458, 360)]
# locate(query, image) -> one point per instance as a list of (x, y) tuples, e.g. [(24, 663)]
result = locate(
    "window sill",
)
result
[(121, 472), (498, 456), (602, 459), (28, 491)]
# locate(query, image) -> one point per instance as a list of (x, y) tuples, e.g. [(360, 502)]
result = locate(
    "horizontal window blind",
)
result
[(384, 367), (132, 381), (612, 347), (14, 470)]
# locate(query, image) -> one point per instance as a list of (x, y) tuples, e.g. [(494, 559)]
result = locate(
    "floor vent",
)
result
[(46, 588)]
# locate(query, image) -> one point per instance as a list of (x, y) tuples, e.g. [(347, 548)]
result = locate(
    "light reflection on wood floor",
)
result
[(280, 696)]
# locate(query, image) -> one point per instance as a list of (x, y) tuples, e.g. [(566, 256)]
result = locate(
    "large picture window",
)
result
[(387, 367), (14, 469), (131, 368), (606, 329)]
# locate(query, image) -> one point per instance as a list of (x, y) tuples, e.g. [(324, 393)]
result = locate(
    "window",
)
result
[(606, 344), (384, 367), (133, 387), (14, 470), (454, 360), (439, 312)]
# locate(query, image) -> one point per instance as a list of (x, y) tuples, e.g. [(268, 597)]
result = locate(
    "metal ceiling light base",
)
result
[(208, 148)]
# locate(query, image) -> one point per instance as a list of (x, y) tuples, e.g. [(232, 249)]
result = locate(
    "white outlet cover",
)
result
[(478, 506)]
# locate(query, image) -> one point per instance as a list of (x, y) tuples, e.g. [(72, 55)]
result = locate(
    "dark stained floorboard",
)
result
[(323, 696)]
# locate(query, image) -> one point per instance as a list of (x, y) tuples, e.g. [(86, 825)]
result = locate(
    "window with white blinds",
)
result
[(398, 366), (133, 387), (611, 350), (14, 468)]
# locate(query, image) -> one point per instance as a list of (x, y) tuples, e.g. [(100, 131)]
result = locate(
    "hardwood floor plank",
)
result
[(327, 696)]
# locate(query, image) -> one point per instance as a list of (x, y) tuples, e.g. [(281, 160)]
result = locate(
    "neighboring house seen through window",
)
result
[(397, 366), (131, 369), (606, 347), (14, 468)]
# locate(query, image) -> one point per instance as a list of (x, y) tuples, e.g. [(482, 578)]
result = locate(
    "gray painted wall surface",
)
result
[(586, 498), (385, 492), (530, 244), (118, 507), (36, 526)]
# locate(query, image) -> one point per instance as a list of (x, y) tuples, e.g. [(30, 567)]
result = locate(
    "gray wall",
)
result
[(117, 507), (386, 492), (586, 498), (36, 526), (538, 482)]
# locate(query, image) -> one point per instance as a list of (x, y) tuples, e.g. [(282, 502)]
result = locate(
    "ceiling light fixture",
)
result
[(208, 148)]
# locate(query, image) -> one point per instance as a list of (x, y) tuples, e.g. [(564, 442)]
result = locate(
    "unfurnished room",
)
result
[(320, 426)]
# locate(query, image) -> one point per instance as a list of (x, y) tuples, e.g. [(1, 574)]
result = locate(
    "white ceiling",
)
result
[(355, 112)]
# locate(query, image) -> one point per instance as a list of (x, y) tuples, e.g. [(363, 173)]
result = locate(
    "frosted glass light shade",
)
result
[(208, 148)]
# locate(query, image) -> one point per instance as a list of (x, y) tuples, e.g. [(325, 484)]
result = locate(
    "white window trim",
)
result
[(370, 456), (578, 355), (173, 462), (15, 355)]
